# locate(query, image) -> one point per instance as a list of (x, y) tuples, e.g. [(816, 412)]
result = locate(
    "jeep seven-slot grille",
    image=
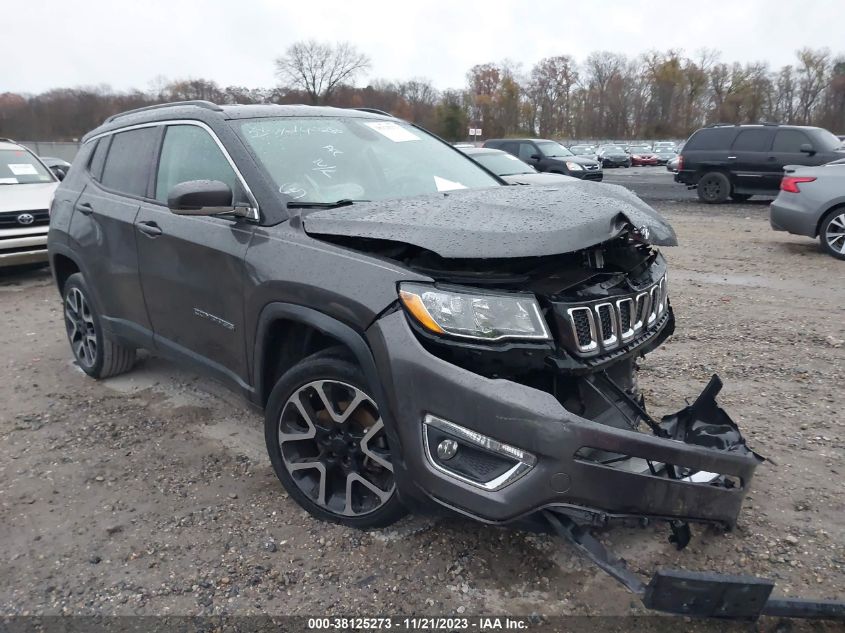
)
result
[(605, 325)]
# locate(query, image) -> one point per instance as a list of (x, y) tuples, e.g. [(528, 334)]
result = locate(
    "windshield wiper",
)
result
[(345, 202)]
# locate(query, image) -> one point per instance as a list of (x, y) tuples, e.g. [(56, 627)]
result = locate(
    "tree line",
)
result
[(608, 95)]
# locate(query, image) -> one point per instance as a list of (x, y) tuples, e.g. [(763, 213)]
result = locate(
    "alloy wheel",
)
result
[(835, 233), (333, 445), (79, 322)]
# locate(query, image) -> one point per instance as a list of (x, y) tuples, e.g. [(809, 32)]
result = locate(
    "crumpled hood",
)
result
[(29, 197), (499, 222)]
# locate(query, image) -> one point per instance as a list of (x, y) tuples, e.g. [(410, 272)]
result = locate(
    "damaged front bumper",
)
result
[(538, 455)]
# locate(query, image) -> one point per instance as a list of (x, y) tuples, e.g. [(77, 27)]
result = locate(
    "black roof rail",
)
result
[(375, 111), (208, 105), (724, 124)]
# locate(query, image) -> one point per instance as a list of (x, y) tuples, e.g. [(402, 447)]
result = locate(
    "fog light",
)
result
[(481, 461), (447, 449)]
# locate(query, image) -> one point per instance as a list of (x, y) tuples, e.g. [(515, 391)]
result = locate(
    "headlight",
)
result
[(488, 317), (573, 166)]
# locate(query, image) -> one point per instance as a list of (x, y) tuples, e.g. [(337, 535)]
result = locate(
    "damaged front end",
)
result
[(605, 307)]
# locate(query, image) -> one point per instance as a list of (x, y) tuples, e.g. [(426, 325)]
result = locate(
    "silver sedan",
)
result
[(811, 202)]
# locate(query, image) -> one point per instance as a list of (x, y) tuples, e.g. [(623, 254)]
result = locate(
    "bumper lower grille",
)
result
[(602, 326)]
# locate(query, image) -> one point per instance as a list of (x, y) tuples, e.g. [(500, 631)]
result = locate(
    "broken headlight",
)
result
[(467, 314)]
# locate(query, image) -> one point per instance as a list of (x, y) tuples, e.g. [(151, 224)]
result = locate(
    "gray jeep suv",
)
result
[(418, 333)]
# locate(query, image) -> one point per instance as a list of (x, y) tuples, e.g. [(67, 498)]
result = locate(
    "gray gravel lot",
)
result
[(151, 493)]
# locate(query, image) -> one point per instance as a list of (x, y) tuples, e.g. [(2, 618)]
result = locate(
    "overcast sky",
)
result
[(47, 43)]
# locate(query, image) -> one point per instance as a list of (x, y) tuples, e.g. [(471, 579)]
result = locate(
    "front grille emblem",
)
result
[(26, 219)]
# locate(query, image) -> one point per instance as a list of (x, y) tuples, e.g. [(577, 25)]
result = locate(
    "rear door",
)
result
[(102, 227), (192, 267), (749, 161)]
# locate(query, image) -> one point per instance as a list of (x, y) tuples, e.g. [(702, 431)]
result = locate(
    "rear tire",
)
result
[(334, 462), (832, 233), (714, 188), (97, 352)]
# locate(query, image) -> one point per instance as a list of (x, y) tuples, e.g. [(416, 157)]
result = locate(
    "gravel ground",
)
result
[(151, 494)]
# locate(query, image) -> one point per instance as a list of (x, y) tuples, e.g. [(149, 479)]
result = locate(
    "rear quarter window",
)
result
[(98, 157), (129, 161), (711, 139)]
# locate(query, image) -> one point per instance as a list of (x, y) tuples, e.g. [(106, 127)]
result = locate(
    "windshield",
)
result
[(637, 149), (550, 149), (829, 141), (19, 167), (324, 160), (612, 148), (503, 164)]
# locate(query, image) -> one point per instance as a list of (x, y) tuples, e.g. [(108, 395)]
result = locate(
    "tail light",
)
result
[(790, 183), (680, 163)]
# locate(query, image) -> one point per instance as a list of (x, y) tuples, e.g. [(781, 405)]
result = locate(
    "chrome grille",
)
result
[(603, 326)]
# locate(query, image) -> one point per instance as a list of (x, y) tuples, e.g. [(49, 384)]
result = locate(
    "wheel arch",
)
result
[(63, 266), (834, 207), (281, 324)]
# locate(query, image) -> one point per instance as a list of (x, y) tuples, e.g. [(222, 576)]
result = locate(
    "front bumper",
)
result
[(419, 384), (592, 174), (20, 246)]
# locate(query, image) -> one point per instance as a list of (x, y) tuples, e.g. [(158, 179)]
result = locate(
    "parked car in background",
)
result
[(811, 202), (672, 163), (589, 151), (739, 161), (463, 144), (664, 154), (669, 144), (642, 155), (26, 191), (510, 169), (58, 166), (549, 156), (613, 156)]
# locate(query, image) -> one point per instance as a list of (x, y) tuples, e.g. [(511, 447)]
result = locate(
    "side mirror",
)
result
[(203, 197), (59, 172), (535, 157), (806, 148)]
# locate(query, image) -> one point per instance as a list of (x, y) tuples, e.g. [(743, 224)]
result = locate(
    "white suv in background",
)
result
[(26, 191)]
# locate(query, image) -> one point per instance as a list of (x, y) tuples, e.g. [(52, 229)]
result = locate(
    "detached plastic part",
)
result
[(696, 594)]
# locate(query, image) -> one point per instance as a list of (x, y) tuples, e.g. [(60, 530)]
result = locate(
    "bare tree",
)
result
[(812, 73), (320, 68)]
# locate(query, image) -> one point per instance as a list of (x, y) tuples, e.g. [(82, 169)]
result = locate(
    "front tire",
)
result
[(328, 446), (714, 188), (97, 353), (832, 233)]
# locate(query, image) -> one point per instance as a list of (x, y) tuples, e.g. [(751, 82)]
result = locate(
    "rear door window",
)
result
[(790, 141), (190, 153), (752, 141), (129, 161)]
